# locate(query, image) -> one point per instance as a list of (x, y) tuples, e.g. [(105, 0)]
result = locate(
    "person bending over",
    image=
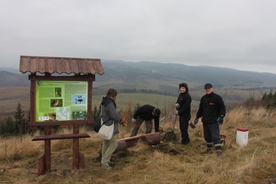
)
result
[(146, 113)]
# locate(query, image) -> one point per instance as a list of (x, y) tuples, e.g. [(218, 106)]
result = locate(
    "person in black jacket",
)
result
[(146, 113), (183, 109), (212, 111)]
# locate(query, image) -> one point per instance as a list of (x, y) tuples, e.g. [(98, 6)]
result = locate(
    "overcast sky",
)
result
[(238, 34)]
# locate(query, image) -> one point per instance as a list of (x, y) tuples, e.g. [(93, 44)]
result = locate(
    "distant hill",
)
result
[(161, 76), (129, 74), (234, 86), (10, 79)]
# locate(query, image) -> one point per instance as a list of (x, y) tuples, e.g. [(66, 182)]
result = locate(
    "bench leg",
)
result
[(75, 164), (81, 160), (41, 165)]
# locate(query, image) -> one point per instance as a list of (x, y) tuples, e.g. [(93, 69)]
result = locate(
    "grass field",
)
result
[(11, 96), (161, 163)]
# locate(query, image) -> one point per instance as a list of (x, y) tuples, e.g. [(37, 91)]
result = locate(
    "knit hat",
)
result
[(185, 85), (156, 112), (208, 86)]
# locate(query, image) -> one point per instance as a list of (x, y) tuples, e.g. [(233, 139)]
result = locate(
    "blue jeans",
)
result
[(212, 134)]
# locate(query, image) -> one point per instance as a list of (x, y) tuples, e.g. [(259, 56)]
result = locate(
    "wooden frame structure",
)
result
[(83, 70)]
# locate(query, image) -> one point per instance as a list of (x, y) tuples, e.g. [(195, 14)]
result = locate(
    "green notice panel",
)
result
[(61, 100)]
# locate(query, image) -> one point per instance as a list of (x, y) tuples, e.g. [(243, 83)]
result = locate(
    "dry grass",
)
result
[(254, 163)]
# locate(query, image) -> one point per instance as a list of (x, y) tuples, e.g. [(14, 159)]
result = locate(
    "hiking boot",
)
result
[(106, 166), (207, 152), (219, 154), (185, 142), (111, 164)]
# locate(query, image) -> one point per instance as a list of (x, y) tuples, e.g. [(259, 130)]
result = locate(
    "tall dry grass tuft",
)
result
[(14, 148), (163, 163)]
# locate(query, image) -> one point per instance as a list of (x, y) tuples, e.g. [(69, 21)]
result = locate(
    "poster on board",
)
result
[(61, 100)]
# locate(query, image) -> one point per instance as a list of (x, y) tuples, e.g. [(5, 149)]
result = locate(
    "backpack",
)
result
[(98, 122)]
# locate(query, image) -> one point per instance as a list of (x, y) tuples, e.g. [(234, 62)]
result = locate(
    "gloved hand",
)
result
[(176, 112), (196, 121), (177, 106), (133, 120), (220, 120)]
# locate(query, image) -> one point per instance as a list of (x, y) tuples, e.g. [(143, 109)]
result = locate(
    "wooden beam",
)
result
[(60, 136)]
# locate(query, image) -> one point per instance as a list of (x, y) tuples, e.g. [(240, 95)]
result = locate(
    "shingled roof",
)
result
[(60, 65)]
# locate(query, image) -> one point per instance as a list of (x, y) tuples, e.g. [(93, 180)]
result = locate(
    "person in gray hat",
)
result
[(212, 111), (146, 113)]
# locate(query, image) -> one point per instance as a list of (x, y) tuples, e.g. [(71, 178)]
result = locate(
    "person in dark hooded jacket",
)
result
[(110, 115), (183, 109), (146, 113)]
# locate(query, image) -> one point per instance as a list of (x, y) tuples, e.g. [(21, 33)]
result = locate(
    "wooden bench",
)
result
[(44, 160)]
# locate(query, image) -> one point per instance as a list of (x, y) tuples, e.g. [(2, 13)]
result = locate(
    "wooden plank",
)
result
[(63, 123), (133, 138), (139, 136), (60, 136), (88, 77)]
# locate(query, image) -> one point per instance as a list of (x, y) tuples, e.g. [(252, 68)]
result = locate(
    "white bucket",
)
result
[(242, 136)]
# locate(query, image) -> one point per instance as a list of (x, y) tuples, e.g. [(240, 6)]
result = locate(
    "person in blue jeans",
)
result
[(212, 112)]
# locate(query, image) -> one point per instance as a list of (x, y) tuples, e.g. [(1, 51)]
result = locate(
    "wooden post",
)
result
[(32, 103), (81, 160), (75, 148), (41, 164), (89, 105), (47, 149)]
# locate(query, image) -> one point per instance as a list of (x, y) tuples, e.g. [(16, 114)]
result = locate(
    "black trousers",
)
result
[(184, 125)]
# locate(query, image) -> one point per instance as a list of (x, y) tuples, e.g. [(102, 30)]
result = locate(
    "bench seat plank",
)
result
[(60, 136)]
